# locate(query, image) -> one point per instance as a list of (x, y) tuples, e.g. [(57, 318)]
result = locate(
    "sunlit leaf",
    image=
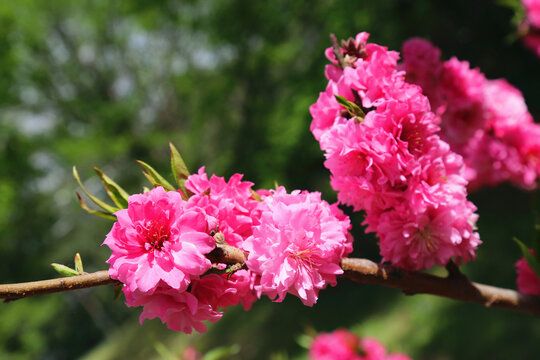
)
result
[(64, 270), (108, 208), (99, 213), (115, 192), (154, 177), (178, 166), (78, 264)]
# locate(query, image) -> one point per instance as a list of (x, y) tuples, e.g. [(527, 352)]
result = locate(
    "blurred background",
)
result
[(103, 83)]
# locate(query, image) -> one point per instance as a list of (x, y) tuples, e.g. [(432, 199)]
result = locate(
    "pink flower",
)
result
[(418, 240), (392, 157), (229, 204), (532, 9), (527, 280), (158, 242), (344, 345), (532, 41), (180, 311), (485, 121), (422, 64), (190, 353), (298, 245), (338, 345), (221, 291)]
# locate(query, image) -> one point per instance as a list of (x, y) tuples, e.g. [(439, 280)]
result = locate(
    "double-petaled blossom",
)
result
[(297, 246), (158, 242), (389, 155)]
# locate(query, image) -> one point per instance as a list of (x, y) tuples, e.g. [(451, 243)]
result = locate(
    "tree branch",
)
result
[(33, 288), (359, 270)]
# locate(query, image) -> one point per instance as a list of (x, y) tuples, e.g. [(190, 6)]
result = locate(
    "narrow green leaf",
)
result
[(164, 352), (108, 208), (99, 213), (64, 270), (255, 195), (151, 180), (222, 352), (78, 264), (115, 192), (178, 166), (353, 109), (154, 177), (536, 241), (304, 341), (529, 257), (146, 189)]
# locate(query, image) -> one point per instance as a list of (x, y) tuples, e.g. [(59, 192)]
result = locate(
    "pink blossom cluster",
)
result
[(485, 121), (159, 244), (388, 160), (530, 26), (527, 280), (344, 345)]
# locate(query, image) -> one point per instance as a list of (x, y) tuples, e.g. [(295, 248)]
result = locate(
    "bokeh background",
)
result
[(103, 83)]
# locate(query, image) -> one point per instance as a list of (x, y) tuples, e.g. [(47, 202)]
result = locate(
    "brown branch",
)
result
[(33, 288), (337, 51), (454, 287), (359, 270)]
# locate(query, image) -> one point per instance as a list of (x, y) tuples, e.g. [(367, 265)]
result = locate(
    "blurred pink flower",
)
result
[(532, 11), (485, 121), (527, 280), (344, 345)]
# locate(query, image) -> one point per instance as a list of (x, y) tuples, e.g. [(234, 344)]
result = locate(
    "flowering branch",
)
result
[(358, 270)]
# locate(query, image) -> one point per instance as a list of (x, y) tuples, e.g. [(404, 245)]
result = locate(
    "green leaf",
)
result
[(64, 270), (256, 196), (222, 352), (353, 109), (536, 242), (154, 177), (99, 213), (115, 192), (529, 257), (78, 264), (178, 166), (164, 352), (108, 208), (304, 341)]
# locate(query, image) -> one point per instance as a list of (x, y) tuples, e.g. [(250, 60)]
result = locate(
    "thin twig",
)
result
[(337, 51), (343, 64), (359, 270)]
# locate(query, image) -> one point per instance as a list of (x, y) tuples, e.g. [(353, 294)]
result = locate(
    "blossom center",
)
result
[(155, 234), (303, 257), (428, 239)]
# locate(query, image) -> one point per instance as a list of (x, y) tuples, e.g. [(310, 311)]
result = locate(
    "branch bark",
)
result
[(363, 271)]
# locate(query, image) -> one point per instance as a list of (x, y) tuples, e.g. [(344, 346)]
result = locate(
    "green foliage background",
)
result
[(102, 83)]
